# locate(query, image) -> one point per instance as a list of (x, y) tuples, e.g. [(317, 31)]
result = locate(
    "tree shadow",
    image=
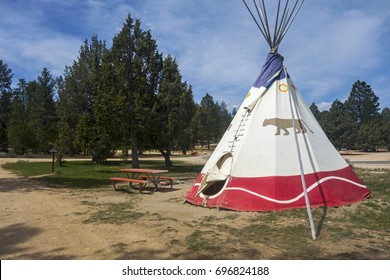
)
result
[(12, 239), (18, 184)]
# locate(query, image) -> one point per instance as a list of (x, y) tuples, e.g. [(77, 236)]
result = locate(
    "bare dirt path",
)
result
[(38, 222), (368, 160), (47, 223)]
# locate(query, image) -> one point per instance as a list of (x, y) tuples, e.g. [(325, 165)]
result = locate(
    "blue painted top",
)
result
[(272, 65)]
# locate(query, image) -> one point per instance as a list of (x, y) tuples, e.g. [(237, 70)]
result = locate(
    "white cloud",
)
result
[(331, 50), (28, 44), (53, 52), (217, 45), (324, 106)]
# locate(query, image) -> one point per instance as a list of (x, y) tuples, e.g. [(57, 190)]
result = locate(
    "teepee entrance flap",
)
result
[(217, 175)]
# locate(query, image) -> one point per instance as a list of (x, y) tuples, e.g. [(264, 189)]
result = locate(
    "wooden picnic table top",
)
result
[(142, 170)]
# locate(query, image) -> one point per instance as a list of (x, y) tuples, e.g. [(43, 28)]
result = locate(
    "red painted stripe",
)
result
[(243, 193)]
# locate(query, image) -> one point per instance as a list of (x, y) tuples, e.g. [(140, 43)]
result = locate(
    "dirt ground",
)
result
[(38, 222)]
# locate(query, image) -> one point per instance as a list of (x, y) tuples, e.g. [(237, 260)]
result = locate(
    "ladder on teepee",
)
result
[(239, 132)]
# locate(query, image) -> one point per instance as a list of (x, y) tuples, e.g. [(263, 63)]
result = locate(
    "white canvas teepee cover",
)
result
[(256, 167)]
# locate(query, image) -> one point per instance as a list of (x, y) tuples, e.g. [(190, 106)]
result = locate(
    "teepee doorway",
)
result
[(216, 178)]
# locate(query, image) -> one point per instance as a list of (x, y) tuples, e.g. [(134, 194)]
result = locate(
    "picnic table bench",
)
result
[(169, 180), (142, 183), (141, 177)]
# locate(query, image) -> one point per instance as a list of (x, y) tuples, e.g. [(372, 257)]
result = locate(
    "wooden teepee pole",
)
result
[(307, 201)]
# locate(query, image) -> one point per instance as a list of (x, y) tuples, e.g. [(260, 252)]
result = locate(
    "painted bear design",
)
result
[(283, 124)]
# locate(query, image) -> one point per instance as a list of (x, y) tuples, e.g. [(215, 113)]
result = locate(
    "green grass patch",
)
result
[(86, 174), (115, 213), (365, 224), (201, 240)]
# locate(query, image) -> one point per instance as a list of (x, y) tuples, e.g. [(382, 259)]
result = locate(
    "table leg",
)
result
[(155, 181), (133, 176)]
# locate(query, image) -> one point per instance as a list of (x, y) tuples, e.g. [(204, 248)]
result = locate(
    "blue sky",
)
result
[(217, 45)]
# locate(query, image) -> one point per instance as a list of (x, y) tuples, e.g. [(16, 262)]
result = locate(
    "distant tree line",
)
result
[(127, 97), (358, 122)]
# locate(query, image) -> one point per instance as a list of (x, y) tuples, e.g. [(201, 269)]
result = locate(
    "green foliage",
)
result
[(5, 103), (362, 103), (174, 98), (385, 128), (32, 118), (42, 112), (137, 69), (212, 120), (316, 112), (339, 126), (356, 123), (187, 109), (77, 101), (20, 132), (370, 135)]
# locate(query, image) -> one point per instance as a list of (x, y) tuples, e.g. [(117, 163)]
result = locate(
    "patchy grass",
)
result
[(114, 213), (358, 231), (86, 174)]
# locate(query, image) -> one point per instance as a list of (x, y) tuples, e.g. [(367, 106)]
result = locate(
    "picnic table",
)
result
[(141, 177)]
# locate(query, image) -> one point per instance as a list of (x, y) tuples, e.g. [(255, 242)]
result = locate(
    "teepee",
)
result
[(274, 154)]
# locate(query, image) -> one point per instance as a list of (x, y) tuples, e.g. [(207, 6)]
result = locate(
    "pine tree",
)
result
[(77, 97), (137, 65), (20, 133), (316, 112), (385, 127), (339, 125), (187, 110), (42, 111), (362, 103), (369, 136), (208, 116), (167, 110), (224, 119), (5, 103)]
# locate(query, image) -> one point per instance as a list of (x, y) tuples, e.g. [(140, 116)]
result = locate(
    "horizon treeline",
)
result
[(356, 123), (131, 97), (128, 97)]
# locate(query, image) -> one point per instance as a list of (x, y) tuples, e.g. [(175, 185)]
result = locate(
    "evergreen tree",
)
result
[(42, 111), (234, 112), (168, 108), (339, 126), (369, 136), (207, 120), (137, 65), (362, 103), (20, 133), (149, 66), (315, 111), (5, 103), (187, 110), (224, 119), (76, 104), (385, 127), (107, 136)]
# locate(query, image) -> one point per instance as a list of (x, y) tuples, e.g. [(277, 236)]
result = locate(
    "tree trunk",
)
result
[(134, 148), (167, 157)]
